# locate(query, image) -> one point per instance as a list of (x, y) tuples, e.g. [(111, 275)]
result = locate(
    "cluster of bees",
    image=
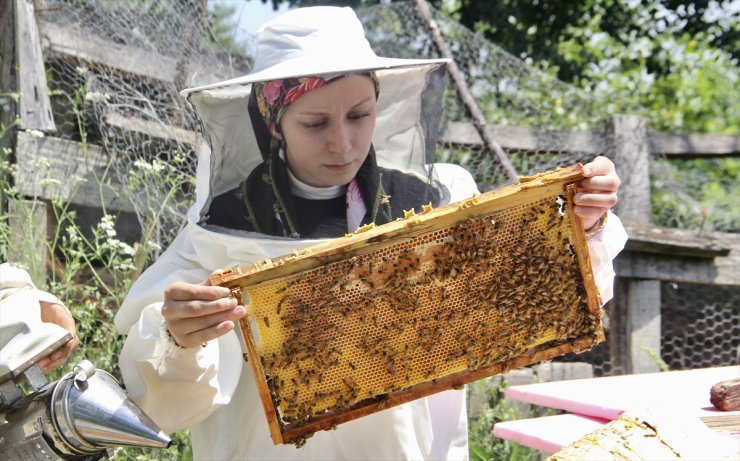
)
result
[(484, 291)]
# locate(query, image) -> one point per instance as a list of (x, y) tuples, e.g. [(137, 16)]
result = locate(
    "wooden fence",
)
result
[(653, 254)]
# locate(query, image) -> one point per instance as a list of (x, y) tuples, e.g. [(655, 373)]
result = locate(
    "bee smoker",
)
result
[(81, 416)]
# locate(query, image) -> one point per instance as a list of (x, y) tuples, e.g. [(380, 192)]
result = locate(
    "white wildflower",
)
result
[(72, 234), (107, 226), (153, 246), (158, 167), (96, 97), (143, 166), (50, 182), (42, 164), (124, 247)]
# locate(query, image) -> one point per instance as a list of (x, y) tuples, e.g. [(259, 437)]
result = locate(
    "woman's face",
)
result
[(328, 131)]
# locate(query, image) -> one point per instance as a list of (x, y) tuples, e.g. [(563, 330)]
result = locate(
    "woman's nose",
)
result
[(340, 141)]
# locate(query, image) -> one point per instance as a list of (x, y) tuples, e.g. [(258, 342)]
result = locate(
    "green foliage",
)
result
[(698, 194), (491, 408), (676, 63), (221, 32), (655, 357)]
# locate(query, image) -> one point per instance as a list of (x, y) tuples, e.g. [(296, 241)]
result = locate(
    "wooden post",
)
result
[(8, 105), (8, 83), (35, 106), (635, 313), (22, 73), (628, 142)]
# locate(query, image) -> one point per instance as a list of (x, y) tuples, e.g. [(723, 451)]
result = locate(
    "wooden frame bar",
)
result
[(371, 242)]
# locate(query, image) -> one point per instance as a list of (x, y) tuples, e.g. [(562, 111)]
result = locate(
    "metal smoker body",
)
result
[(81, 416)]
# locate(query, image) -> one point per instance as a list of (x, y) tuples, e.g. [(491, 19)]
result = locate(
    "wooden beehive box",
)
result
[(439, 299)]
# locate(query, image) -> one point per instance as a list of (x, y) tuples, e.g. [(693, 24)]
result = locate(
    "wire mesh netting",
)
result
[(118, 87), (508, 91), (700, 325), (115, 69)]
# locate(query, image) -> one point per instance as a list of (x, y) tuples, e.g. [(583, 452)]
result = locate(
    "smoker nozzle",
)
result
[(90, 411)]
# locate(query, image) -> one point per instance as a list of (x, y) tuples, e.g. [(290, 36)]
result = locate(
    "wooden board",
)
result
[(54, 168), (548, 434)]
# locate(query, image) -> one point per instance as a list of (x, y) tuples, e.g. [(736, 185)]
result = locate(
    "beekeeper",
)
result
[(321, 137)]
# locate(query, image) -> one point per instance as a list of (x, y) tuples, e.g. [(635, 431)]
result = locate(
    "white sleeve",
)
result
[(458, 181), (177, 387), (602, 249)]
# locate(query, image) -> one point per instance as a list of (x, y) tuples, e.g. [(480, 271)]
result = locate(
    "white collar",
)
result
[(303, 190)]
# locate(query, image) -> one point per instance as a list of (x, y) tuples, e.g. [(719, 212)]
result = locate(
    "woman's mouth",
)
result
[(339, 166)]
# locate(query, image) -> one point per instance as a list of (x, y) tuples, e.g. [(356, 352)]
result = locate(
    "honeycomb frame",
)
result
[(426, 303)]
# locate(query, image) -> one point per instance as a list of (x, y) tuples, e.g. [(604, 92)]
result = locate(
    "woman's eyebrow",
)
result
[(311, 112), (369, 98)]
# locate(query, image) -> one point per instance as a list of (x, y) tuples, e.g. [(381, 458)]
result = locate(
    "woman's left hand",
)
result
[(598, 192)]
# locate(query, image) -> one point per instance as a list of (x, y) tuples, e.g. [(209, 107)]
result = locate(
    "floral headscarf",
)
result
[(268, 205), (273, 97)]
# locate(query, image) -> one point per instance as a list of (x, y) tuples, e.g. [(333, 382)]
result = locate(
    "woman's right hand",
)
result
[(195, 314)]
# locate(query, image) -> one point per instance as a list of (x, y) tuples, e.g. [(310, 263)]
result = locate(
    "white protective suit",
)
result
[(211, 390)]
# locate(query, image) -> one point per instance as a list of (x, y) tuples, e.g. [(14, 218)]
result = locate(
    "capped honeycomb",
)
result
[(423, 304)]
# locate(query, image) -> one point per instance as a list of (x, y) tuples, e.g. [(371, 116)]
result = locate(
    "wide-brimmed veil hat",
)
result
[(316, 41)]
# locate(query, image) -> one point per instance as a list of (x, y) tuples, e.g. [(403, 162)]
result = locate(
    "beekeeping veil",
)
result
[(320, 41)]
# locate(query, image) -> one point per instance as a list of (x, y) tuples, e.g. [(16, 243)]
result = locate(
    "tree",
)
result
[(674, 61)]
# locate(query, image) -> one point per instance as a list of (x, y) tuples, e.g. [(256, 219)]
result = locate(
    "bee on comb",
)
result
[(420, 305)]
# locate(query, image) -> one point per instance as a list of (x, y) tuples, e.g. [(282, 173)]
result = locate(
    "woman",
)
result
[(335, 137)]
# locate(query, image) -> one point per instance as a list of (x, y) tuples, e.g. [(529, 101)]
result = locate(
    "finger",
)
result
[(173, 310), (182, 328), (589, 211), (58, 314), (179, 291), (600, 200), (74, 343), (45, 365), (599, 166), (187, 325), (589, 215), (204, 335), (52, 361), (609, 183)]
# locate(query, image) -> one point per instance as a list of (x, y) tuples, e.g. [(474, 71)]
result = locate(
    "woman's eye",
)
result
[(313, 125), (359, 116)]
